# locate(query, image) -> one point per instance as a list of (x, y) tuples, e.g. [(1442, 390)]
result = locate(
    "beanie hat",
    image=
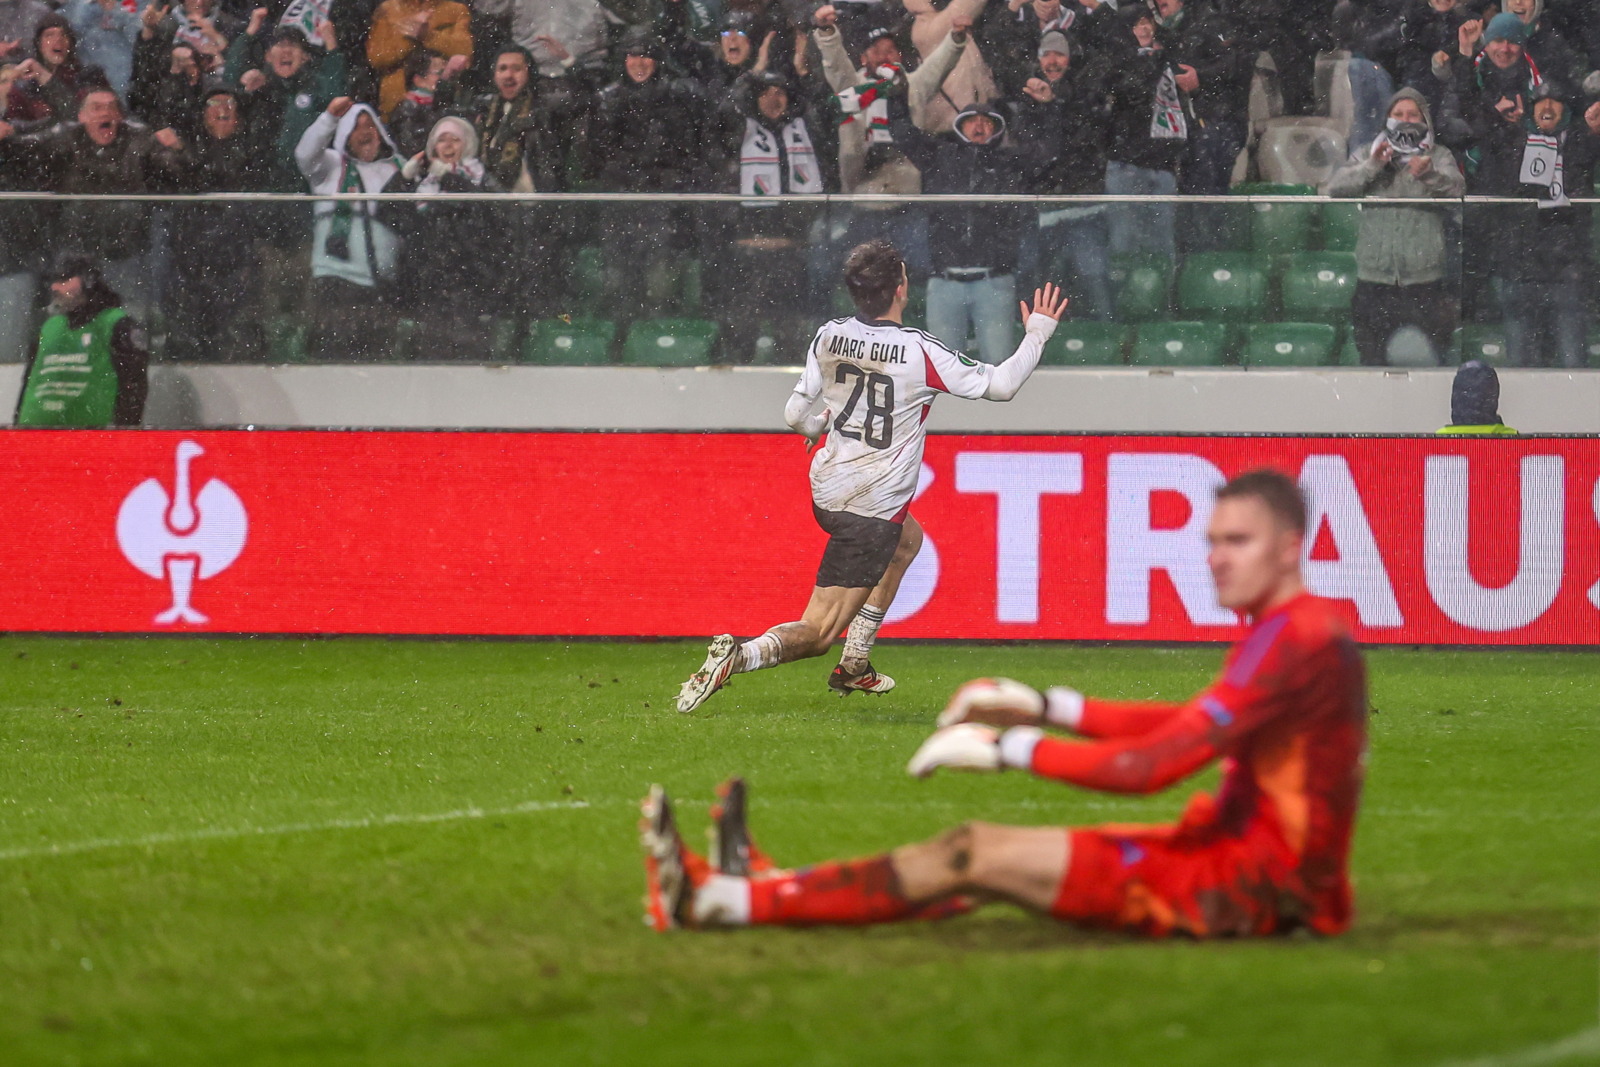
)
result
[(1506, 27), (1054, 41)]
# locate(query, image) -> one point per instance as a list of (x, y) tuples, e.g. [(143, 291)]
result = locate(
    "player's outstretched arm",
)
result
[(1038, 323), (1005, 702)]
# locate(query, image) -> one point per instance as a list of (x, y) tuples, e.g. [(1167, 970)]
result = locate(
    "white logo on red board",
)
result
[(183, 537)]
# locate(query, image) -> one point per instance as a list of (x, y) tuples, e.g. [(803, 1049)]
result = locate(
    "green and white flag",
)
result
[(306, 16)]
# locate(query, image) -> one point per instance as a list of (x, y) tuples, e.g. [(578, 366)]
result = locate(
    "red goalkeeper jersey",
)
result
[(1287, 716)]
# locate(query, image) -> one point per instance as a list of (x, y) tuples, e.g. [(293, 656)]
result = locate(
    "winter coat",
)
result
[(287, 108), (753, 218), (650, 137), (1213, 46), (865, 168), (1076, 125), (63, 160), (371, 249), (1529, 241), (449, 33), (1131, 83), (449, 259), (1010, 39), (1397, 245), (519, 142), (1478, 85), (975, 235)]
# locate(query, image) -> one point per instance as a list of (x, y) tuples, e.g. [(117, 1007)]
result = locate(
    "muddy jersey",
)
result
[(877, 380)]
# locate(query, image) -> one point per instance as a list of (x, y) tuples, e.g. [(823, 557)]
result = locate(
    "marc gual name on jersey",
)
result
[(857, 348)]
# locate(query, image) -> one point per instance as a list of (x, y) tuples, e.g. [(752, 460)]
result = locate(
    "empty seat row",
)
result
[(1238, 287)]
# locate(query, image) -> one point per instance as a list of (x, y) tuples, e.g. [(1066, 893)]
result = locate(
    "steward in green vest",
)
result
[(91, 366), (1475, 402)]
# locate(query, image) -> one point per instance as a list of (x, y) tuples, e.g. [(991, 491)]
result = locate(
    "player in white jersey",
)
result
[(876, 379)]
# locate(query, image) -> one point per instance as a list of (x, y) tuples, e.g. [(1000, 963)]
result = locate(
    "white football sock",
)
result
[(722, 900), (758, 653), (858, 639)]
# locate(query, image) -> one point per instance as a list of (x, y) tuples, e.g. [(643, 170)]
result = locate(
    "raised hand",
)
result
[(339, 106), (1049, 301), (326, 35), (454, 66), (764, 53), (825, 16), (1039, 90), (1468, 34), (558, 51), (1592, 117), (252, 81), (168, 138), (258, 18)]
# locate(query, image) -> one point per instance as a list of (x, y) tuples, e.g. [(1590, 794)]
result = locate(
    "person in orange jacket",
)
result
[(400, 27)]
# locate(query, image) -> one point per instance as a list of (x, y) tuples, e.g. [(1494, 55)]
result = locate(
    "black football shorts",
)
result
[(859, 549)]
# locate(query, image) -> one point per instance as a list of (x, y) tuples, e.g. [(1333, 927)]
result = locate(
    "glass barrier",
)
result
[(1271, 277)]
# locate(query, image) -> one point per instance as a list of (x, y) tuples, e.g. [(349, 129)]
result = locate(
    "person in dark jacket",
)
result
[(1545, 45), (427, 96), (755, 259), (214, 268), (648, 135), (1214, 69), (525, 130), (1068, 108), (1150, 123), (448, 283), (293, 84), (1424, 30), (101, 153), (46, 89), (88, 330), (1541, 252), (1491, 75), (974, 247)]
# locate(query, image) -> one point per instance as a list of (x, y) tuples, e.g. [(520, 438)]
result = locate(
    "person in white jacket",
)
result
[(353, 251)]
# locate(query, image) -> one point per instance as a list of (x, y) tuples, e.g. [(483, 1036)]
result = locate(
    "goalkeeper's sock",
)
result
[(852, 893), (858, 639), (758, 653)]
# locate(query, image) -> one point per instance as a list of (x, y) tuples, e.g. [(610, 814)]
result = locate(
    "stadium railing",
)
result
[(1254, 279)]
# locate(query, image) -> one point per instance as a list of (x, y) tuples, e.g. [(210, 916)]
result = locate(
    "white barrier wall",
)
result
[(1215, 400)]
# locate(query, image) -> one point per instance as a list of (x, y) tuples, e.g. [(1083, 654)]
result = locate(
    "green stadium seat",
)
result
[(579, 343), (1487, 343), (1179, 344), (1339, 225), (1347, 355), (1278, 228), (286, 338), (1086, 342), (1289, 344), (1222, 286), (1144, 289), (588, 273), (404, 346), (670, 343), (1318, 287)]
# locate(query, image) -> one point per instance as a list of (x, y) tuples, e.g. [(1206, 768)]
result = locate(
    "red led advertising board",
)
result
[(1441, 540)]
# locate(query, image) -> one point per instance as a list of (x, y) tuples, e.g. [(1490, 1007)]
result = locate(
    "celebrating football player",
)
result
[(877, 379)]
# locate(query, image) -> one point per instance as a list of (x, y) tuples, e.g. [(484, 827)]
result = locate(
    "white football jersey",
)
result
[(877, 381)]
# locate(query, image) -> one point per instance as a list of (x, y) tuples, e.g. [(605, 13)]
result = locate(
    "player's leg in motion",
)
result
[(854, 672), (1024, 865), (831, 607)]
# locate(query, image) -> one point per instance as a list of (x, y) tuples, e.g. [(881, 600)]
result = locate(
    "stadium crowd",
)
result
[(757, 97)]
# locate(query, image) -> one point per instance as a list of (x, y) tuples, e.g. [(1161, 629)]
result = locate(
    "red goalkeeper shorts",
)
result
[(1151, 880)]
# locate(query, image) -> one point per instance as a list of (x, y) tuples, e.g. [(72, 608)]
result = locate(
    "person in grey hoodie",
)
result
[(354, 247), (1400, 250)]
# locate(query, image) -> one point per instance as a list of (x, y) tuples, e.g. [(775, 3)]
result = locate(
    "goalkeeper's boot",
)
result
[(868, 681), (712, 675), (672, 872), (732, 850)]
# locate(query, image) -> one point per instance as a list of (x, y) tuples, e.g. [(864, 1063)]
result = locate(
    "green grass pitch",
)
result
[(400, 852)]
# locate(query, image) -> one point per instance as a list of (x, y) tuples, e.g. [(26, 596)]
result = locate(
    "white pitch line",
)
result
[(225, 832), (1585, 1043)]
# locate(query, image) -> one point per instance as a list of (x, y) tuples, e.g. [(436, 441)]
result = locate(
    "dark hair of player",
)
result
[(872, 272), (1276, 490)]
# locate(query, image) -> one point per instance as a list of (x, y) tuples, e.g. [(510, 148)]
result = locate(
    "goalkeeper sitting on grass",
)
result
[(1266, 855)]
